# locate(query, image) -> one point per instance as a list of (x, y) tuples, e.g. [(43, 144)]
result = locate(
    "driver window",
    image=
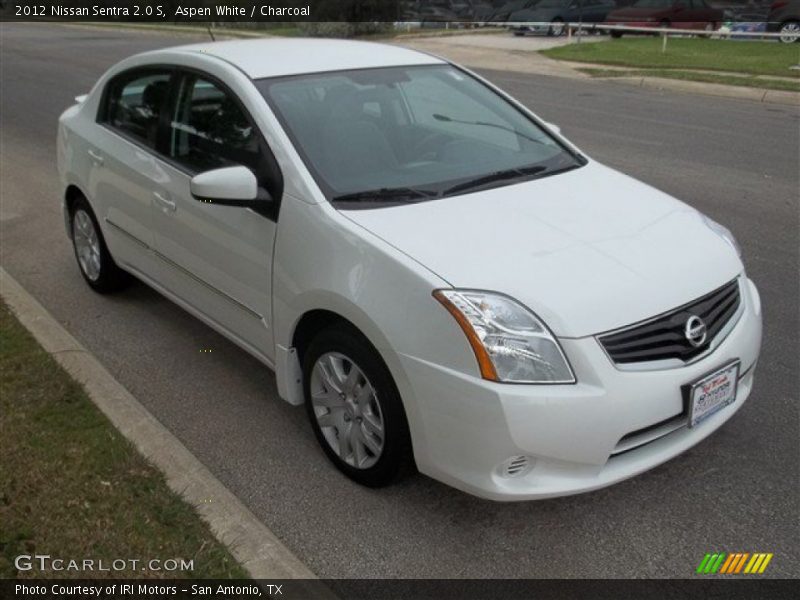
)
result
[(209, 130)]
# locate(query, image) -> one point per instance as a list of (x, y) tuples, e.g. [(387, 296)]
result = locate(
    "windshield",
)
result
[(410, 133)]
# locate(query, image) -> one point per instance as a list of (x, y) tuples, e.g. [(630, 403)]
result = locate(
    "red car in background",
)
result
[(681, 14)]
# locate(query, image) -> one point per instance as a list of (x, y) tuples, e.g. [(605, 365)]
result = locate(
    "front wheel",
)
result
[(616, 34), (355, 409), (97, 267), (790, 32)]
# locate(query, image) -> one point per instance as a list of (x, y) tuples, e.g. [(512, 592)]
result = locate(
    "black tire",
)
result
[(616, 34), (396, 459), (519, 33), (556, 23), (110, 277)]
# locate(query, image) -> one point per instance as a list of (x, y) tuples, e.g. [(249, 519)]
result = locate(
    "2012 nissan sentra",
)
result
[(443, 280)]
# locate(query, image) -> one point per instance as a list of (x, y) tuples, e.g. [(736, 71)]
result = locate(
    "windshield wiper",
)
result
[(446, 119), (399, 194), (520, 173)]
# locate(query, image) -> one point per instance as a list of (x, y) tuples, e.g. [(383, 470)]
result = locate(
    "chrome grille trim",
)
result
[(659, 343)]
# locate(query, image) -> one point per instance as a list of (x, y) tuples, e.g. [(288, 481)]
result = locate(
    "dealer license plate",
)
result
[(712, 393)]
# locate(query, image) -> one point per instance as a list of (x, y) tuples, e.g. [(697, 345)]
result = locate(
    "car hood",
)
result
[(589, 250)]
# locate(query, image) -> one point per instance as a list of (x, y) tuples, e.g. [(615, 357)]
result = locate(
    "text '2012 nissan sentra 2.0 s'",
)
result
[(441, 278)]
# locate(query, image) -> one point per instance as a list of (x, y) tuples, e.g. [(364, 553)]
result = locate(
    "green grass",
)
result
[(283, 31), (287, 30), (752, 58), (72, 487), (743, 80)]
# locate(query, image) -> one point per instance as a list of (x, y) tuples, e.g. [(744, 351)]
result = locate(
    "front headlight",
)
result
[(510, 342), (724, 233)]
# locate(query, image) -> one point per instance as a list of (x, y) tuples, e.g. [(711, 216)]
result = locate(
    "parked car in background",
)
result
[(506, 9), (486, 11), (784, 17), (682, 14), (448, 10), (551, 16), (755, 11)]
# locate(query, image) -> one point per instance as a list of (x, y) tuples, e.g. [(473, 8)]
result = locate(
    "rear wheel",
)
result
[(557, 28), (790, 32), (97, 267), (616, 34), (355, 409)]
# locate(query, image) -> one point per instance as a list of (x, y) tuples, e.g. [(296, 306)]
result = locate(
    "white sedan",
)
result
[(440, 277)]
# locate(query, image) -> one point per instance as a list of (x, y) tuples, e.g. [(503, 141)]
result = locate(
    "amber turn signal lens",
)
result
[(484, 362)]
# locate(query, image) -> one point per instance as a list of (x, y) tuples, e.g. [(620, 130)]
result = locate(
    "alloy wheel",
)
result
[(87, 244), (790, 32), (557, 28)]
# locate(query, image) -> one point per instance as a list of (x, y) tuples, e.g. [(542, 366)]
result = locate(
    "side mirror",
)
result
[(229, 186), (553, 127)]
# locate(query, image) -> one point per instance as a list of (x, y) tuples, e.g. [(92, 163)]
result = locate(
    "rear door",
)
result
[(124, 169), (595, 10), (601, 9), (216, 258), (691, 14), (702, 13)]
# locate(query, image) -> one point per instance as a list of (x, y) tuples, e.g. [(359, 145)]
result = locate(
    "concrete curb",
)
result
[(247, 538), (710, 89)]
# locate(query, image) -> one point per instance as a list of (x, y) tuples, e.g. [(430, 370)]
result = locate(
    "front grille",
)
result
[(664, 337)]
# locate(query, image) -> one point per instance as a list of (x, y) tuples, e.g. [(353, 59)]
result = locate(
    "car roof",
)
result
[(275, 57)]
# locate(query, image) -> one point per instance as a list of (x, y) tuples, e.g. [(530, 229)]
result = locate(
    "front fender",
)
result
[(325, 261)]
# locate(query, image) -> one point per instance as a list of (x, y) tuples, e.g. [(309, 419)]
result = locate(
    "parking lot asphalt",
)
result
[(737, 491)]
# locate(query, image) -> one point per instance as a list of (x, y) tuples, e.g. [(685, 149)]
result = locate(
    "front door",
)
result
[(216, 258)]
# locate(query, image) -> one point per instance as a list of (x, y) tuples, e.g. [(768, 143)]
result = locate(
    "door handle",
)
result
[(165, 203), (96, 157)]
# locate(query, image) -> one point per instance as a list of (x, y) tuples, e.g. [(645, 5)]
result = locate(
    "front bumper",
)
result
[(611, 425)]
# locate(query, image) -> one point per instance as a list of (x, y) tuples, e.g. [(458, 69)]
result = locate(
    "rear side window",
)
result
[(135, 102), (209, 130)]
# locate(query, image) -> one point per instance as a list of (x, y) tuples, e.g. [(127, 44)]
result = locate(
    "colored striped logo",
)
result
[(734, 563)]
